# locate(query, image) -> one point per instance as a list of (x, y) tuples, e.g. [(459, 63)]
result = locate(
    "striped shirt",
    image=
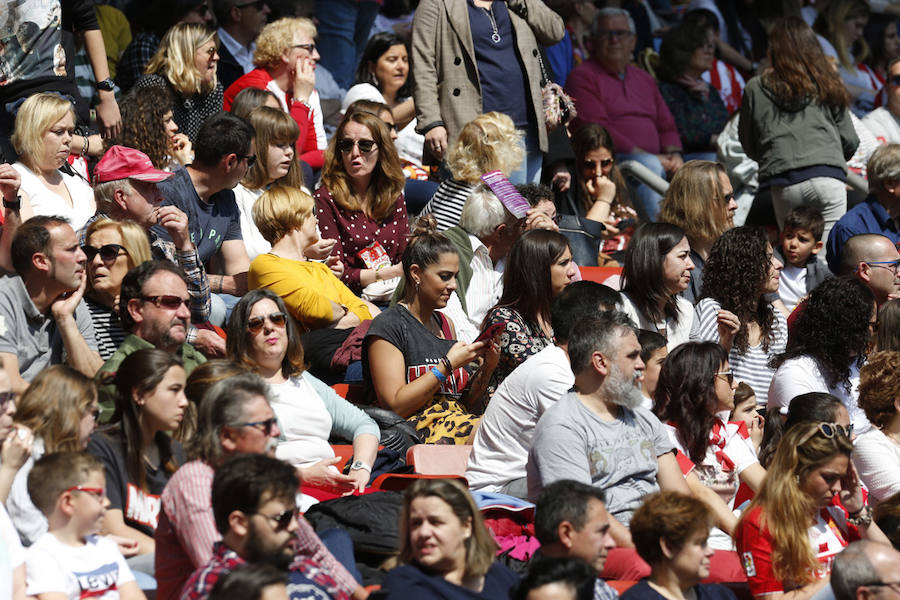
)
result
[(751, 367), (107, 329), (447, 203)]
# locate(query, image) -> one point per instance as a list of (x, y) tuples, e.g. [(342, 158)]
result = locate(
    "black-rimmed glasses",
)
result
[(108, 252)]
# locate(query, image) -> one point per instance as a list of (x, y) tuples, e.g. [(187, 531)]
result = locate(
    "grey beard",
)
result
[(622, 390)]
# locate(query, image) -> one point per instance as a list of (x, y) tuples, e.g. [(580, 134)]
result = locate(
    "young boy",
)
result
[(801, 241), (71, 560)]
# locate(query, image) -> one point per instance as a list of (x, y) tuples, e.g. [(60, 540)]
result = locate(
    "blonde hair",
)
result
[(54, 404), (280, 210), (387, 178), (272, 126), (134, 239), (695, 201), (278, 36), (486, 143), (174, 60), (35, 118), (786, 509)]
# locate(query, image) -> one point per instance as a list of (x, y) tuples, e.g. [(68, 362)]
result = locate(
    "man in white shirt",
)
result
[(500, 449), (240, 22), (884, 121)]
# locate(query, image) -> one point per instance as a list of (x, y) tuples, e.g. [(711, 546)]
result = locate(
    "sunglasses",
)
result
[(98, 493), (108, 252), (266, 425), (592, 164), (6, 398), (308, 47), (365, 146), (168, 302), (282, 520), (727, 376), (255, 324), (830, 431)]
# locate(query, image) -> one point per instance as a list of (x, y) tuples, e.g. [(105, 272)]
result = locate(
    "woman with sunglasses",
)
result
[(701, 201), (60, 408), (694, 397), (740, 274), (262, 336), (137, 450), (877, 455), (812, 407), (792, 530), (360, 204), (112, 248)]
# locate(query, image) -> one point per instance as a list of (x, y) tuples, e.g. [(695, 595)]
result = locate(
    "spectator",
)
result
[(624, 99), (657, 268), (794, 122), (735, 312), (574, 47), (878, 450), (654, 354), (44, 320), (670, 533), (276, 134), (724, 76), (360, 204), (235, 417), (249, 98), (446, 551), (261, 337), (185, 64), (247, 491), (148, 125), (861, 566), (887, 337), (410, 356), (874, 260), (564, 578), (345, 28), (500, 448), (792, 530), (827, 346), (153, 310), (538, 269), (137, 451), (113, 248), (883, 39), (253, 582), (499, 45), (883, 121), (201, 379), (239, 25), (60, 410), (687, 53), (878, 213), (285, 59), (840, 25), (700, 200), (800, 243), (487, 143), (44, 126), (571, 521)]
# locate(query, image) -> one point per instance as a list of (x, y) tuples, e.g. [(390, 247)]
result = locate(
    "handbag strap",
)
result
[(543, 69)]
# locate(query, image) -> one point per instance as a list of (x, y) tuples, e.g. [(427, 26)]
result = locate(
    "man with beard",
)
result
[(42, 318), (598, 433), (153, 308), (253, 505)]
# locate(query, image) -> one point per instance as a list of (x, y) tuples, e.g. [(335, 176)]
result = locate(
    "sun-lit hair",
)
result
[(277, 37), (174, 60), (888, 335), (879, 387), (142, 111), (695, 201), (786, 508), (273, 127), (387, 180), (280, 210), (486, 143), (134, 239), (35, 118), (53, 406), (831, 23), (672, 517)]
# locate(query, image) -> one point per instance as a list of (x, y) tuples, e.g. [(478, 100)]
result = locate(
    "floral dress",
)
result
[(520, 339)]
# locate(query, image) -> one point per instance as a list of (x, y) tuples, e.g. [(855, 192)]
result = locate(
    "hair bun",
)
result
[(425, 225)]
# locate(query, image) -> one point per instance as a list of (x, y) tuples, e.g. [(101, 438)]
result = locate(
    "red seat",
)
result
[(599, 274)]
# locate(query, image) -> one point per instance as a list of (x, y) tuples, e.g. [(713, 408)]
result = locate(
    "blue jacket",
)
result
[(868, 216)]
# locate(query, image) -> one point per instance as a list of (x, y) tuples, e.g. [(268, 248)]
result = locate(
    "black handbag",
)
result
[(585, 235)]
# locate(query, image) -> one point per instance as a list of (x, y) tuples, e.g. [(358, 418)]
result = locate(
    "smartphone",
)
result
[(490, 332), (625, 223)]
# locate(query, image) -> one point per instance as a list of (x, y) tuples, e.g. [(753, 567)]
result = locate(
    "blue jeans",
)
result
[(646, 201), (530, 172), (344, 27), (220, 308), (340, 545)]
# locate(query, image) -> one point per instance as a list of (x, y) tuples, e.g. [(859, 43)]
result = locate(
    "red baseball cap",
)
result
[(120, 162)]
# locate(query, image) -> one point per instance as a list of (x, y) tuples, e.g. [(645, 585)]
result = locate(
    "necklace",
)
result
[(495, 37)]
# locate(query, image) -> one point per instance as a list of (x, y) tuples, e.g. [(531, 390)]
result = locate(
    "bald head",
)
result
[(869, 257), (864, 569)]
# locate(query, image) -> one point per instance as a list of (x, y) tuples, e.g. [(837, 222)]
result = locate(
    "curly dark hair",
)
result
[(735, 274), (686, 393), (833, 328), (142, 123)]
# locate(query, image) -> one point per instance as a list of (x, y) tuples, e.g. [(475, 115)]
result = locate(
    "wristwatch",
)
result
[(16, 205), (358, 464), (107, 85)]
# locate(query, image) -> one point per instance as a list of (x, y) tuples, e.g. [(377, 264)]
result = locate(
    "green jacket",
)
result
[(107, 391)]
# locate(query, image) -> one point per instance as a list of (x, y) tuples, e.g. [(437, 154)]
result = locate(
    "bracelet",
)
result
[(440, 376), (446, 362), (861, 517), (84, 149)]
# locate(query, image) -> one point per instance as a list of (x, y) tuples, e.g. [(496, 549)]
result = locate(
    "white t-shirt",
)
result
[(675, 334), (484, 290), (802, 375), (883, 125), (255, 243), (793, 285), (409, 143), (12, 555), (500, 449), (877, 461), (304, 421), (28, 520), (95, 570), (49, 203)]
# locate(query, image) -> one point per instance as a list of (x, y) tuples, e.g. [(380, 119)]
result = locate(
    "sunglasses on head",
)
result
[(592, 164), (365, 146), (283, 519), (108, 252), (830, 431), (255, 324), (167, 302)]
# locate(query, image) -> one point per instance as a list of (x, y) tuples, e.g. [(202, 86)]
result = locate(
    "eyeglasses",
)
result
[(251, 160), (257, 4), (613, 33), (892, 265), (167, 302), (894, 80), (108, 252), (98, 493), (255, 324), (894, 585), (365, 146), (266, 425), (282, 520), (592, 164), (308, 47), (5, 399), (830, 431), (727, 376)]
